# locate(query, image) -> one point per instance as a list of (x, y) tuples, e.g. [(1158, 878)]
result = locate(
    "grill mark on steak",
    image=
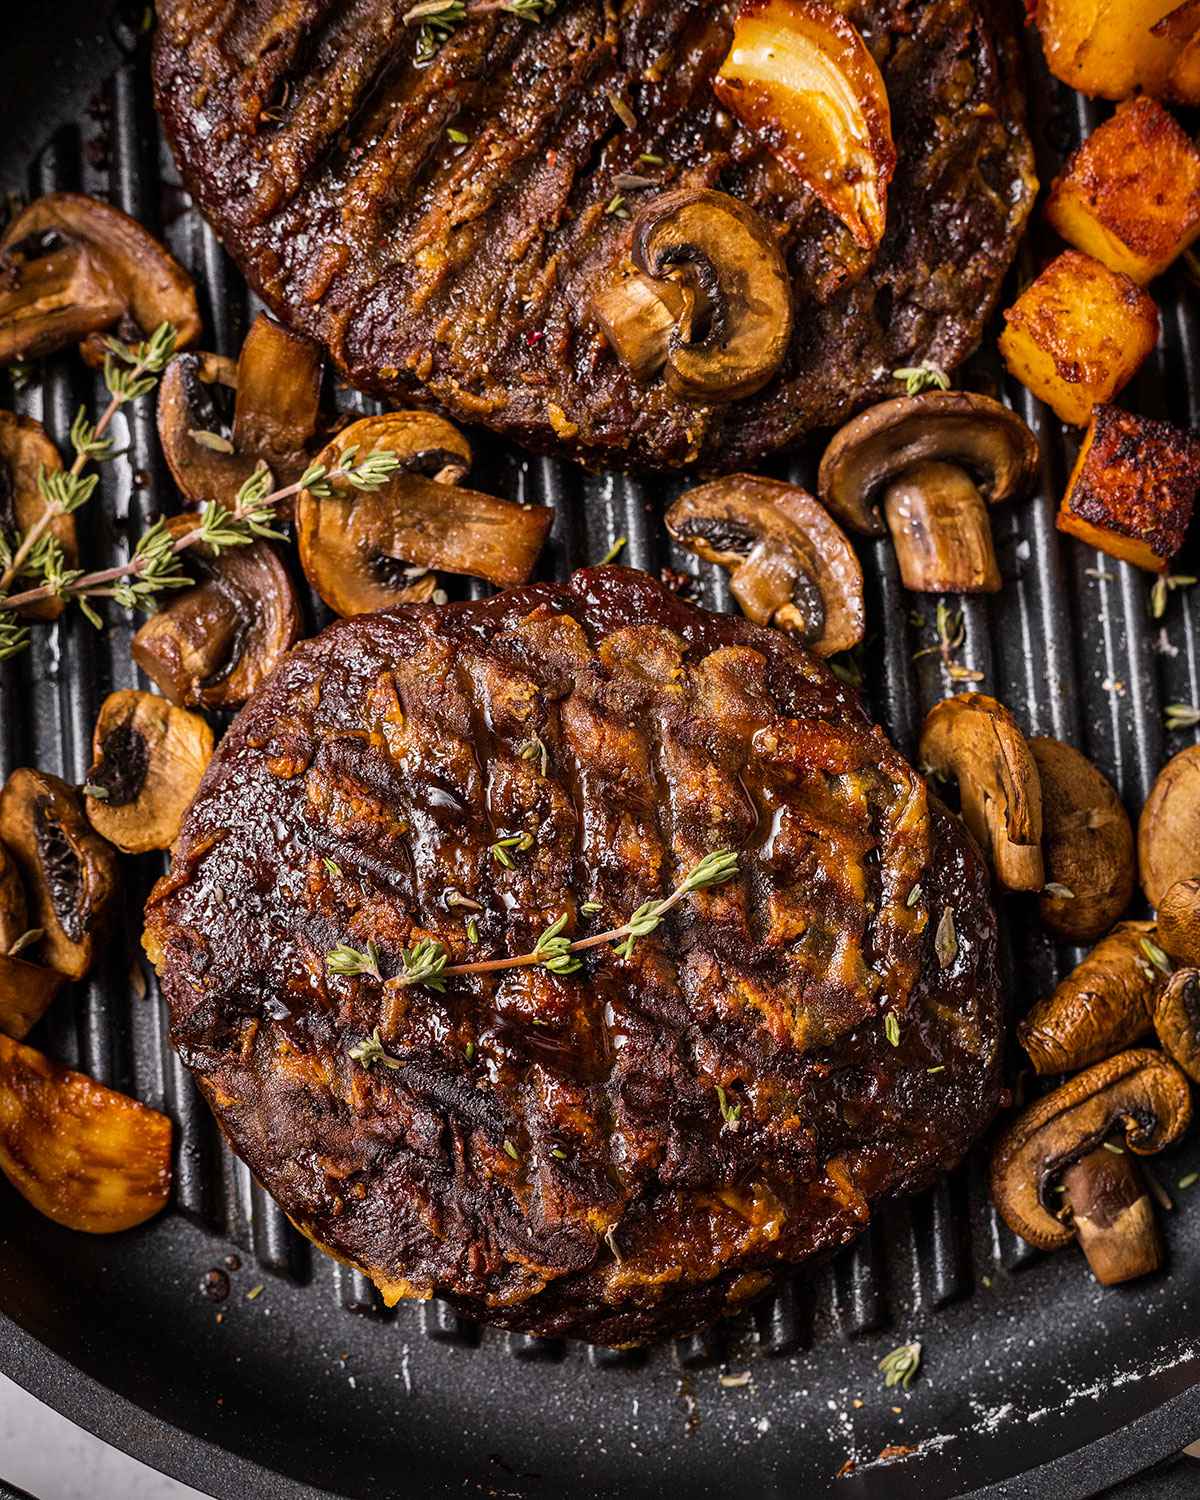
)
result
[(392, 744), (423, 267)]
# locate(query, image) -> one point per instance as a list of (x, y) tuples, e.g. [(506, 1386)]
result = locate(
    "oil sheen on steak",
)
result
[(461, 273), (636, 1148)]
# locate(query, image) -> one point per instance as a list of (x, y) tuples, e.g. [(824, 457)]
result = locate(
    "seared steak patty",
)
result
[(628, 1150), (461, 271)]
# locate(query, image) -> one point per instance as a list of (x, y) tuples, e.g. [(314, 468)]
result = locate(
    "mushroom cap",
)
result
[(70, 873), (1169, 827), (82, 1154), (1140, 1090), (957, 427), (152, 284), (1179, 921), (974, 739), (1177, 1020), (24, 450), (211, 645), (1104, 1004), (736, 327), (193, 394), (791, 564), (148, 757), (360, 551), (1087, 842)]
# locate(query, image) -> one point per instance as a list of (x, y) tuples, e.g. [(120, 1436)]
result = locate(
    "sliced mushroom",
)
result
[(1177, 1020), (69, 872), (1106, 1003), (975, 740), (82, 1154), (718, 270), (1087, 844), (51, 294), (799, 76), (14, 909), (108, 268), (147, 760), (217, 422), (933, 460), (1062, 1136), (25, 450), (1169, 828), (364, 551), (790, 565), (1179, 921), (213, 644), (26, 992)]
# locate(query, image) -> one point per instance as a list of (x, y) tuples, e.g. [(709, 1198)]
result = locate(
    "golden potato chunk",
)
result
[(1133, 486), (1108, 48), (1130, 196), (82, 1154), (1078, 334)]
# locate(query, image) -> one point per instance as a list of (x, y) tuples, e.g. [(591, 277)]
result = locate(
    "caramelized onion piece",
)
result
[(128, 270), (147, 760), (363, 551), (799, 76), (82, 1154), (70, 873), (213, 644), (24, 450)]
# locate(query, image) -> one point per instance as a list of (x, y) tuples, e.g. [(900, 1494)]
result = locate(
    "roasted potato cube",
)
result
[(1132, 488), (1130, 196), (1108, 49), (1077, 335), (82, 1154), (1181, 27)]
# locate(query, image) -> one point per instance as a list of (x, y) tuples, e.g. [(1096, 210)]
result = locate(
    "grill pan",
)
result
[(1034, 1383)]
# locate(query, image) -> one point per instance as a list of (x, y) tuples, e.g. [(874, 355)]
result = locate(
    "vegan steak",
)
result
[(633, 1142), (442, 205)]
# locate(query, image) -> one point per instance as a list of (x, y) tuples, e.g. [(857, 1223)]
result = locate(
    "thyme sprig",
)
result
[(1179, 716), (438, 18), (922, 377), (153, 567), (1164, 585), (951, 635), (130, 371), (426, 963), (901, 1365)]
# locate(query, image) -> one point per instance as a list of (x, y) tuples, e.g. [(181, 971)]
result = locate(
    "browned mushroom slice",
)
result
[(790, 563), (717, 269), (26, 991), (147, 760), (213, 644), (1140, 1092), (82, 1154), (933, 461), (1088, 844), (799, 75), (24, 451), (1177, 1020), (975, 741), (51, 293), (14, 909), (1169, 828), (146, 284), (218, 422), (1104, 1004), (70, 872), (362, 551), (1179, 922)]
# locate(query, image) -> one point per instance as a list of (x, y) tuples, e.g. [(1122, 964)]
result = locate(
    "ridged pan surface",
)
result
[(307, 1386)]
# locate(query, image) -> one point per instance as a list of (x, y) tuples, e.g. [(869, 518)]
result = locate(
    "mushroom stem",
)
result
[(638, 315), (940, 527), (1113, 1216)]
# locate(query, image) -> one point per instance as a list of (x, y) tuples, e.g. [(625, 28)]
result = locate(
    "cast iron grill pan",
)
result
[(1034, 1381)]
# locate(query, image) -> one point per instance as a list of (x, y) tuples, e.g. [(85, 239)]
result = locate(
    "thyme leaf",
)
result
[(891, 1028), (901, 1365), (348, 961), (922, 377), (371, 1050)]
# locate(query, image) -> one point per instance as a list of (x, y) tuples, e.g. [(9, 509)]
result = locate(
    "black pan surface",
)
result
[(1034, 1383)]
